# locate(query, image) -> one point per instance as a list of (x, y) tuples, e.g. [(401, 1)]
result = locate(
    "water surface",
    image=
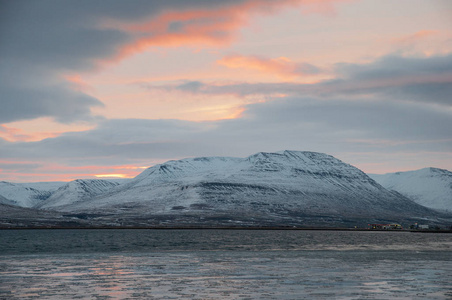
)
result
[(224, 264)]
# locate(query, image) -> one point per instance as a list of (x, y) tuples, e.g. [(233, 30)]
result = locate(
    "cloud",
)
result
[(74, 35), (408, 41), (42, 41), (335, 126), (38, 42), (426, 42), (427, 80), (422, 79), (13, 135), (200, 23), (392, 67), (58, 101), (373, 120), (239, 89), (281, 66), (18, 167), (397, 106), (202, 27)]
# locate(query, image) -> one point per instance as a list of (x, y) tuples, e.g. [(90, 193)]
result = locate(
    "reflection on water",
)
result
[(193, 273), (226, 275)]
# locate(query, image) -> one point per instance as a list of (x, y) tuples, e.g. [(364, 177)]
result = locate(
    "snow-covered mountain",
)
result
[(430, 187), (289, 186), (3, 200), (27, 194), (76, 191)]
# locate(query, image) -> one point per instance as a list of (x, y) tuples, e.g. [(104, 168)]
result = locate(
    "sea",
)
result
[(224, 264)]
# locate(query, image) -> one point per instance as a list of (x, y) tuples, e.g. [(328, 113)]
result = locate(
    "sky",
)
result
[(105, 89)]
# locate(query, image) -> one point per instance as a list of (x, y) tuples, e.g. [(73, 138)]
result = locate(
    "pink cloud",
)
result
[(78, 83), (424, 42), (320, 7), (413, 38), (282, 66), (204, 27), (18, 135)]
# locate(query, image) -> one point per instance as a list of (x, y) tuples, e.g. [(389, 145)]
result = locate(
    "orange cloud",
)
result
[(203, 27), (18, 135), (191, 28), (238, 113), (78, 83), (38, 129), (282, 66)]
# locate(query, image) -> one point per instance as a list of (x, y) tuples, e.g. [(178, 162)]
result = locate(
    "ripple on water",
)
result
[(282, 265)]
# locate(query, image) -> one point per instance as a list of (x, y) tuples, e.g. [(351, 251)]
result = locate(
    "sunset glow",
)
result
[(112, 176)]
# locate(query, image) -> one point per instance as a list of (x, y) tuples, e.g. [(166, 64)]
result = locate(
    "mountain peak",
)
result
[(440, 171)]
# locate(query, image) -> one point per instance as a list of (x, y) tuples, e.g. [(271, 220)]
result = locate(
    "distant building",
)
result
[(385, 226), (419, 226)]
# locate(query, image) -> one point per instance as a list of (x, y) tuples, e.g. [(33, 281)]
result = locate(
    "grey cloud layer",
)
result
[(41, 39), (391, 78), (66, 34), (423, 79), (333, 126), (330, 117)]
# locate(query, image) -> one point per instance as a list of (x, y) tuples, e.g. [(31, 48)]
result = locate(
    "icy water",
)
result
[(224, 264)]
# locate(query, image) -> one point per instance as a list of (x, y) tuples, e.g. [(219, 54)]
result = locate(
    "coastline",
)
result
[(224, 228)]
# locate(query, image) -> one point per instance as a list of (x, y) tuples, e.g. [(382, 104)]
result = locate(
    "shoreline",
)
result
[(224, 228)]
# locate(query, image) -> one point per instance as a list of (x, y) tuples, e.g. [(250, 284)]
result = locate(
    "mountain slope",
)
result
[(288, 187), (3, 200), (430, 187), (27, 194), (75, 191), (13, 216)]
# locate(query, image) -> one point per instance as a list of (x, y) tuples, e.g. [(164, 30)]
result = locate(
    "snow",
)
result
[(283, 164), (76, 191), (283, 183), (27, 194), (44, 186), (431, 187), (3, 200), (287, 186), (53, 194)]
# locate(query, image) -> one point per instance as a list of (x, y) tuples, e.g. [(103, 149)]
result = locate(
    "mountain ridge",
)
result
[(23, 194), (75, 191), (286, 185), (430, 187), (285, 188)]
